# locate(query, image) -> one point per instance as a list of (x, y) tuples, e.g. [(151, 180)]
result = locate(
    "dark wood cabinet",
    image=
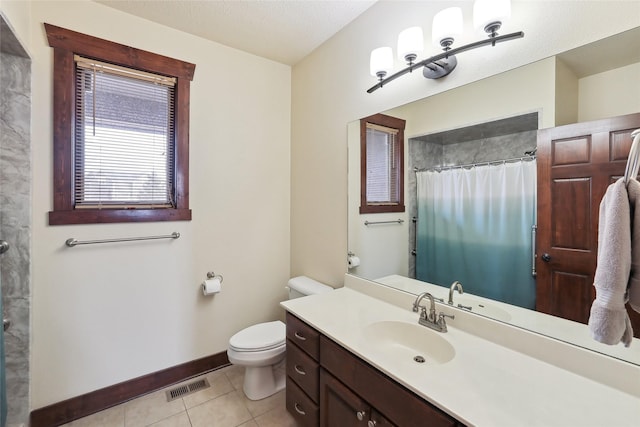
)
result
[(342, 407), (336, 388), (303, 371), (304, 410)]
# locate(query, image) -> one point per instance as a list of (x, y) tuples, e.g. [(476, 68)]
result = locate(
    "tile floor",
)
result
[(221, 405)]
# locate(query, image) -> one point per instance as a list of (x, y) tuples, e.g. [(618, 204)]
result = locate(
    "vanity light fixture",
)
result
[(488, 16)]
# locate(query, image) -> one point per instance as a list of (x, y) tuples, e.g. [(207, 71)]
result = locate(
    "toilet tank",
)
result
[(302, 286)]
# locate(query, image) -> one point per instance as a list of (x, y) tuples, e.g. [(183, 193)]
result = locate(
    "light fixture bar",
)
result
[(489, 41)]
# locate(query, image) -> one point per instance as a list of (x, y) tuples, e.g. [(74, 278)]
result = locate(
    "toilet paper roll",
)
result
[(211, 286), (353, 261)]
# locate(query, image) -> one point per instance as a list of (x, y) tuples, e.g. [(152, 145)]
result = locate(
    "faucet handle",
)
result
[(441, 316), (423, 312), (441, 322)]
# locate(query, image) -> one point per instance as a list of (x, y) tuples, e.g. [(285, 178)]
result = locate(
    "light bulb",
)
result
[(447, 25), (381, 62), (410, 44), (489, 14)]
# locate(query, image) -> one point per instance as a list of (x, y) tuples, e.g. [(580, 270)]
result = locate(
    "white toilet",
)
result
[(261, 348)]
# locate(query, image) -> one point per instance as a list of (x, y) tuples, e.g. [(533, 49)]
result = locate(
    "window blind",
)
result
[(124, 137), (382, 176)]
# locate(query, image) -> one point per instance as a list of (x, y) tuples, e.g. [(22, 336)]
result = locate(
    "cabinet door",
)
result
[(377, 420), (339, 406)]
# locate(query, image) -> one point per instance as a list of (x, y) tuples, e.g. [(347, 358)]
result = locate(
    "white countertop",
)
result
[(485, 384)]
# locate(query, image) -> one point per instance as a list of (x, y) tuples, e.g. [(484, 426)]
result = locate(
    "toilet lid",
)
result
[(262, 336)]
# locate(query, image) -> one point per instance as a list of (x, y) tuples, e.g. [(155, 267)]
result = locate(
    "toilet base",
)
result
[(263, 381)]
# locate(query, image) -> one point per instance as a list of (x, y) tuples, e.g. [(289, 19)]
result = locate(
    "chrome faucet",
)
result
[(423, 312), (431, 319), (455, 285)]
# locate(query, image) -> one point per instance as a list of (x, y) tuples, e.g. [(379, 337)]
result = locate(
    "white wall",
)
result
[(526, 89), (566, 84), (104, 314), (17, 13), (609, 94), (329, 91)]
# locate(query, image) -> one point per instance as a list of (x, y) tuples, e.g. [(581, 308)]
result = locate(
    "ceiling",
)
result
[(284, 31)]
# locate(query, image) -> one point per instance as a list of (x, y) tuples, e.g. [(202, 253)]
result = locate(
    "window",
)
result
[(381, 164), (121, 118)]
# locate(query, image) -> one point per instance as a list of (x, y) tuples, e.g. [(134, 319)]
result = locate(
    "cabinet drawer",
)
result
[(303, 335), (305, 412), (303, 370)]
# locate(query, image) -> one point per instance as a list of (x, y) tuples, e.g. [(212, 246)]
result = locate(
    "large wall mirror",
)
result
[(492, 122)]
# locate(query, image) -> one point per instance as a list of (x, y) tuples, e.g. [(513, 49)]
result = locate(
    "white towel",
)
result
[(609, 322), (633, 188)]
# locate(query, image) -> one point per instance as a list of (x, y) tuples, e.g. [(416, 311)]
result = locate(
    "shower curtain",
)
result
[(474, 225)]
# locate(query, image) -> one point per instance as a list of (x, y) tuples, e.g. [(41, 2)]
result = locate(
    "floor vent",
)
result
[(183, 390)]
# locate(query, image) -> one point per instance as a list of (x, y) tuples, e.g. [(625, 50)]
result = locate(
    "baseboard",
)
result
[(87, 404)]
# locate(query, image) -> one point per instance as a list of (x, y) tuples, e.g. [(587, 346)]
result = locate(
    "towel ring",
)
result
[(633, 162)]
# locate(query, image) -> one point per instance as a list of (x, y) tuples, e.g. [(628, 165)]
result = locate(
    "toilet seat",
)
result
[(260, 337)]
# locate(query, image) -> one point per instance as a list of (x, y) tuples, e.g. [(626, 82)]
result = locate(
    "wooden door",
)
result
[(576, 164), (339, 406)]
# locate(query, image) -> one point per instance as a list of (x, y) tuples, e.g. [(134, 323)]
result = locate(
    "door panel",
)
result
[(339, 406), (571, 231), (572, 287), (576, 164), (571, 151)]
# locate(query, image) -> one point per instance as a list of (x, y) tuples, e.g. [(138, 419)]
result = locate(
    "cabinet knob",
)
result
[(360, 415), (372, 423), (299, 370), (300, 336)]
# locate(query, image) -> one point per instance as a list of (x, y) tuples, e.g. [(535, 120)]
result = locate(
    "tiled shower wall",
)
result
[(15, 217), (424, 155)]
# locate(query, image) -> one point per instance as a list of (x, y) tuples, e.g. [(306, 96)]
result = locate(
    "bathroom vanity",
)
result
[(327, 385), (357, 356)]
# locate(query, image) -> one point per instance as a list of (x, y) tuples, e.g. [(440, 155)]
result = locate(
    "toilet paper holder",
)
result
[(212, 275), (352, 260)]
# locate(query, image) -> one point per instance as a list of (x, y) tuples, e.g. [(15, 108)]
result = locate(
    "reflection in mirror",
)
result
[(491, 120)]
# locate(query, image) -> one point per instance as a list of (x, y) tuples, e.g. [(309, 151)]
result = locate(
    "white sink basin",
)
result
[(486, 309), (406, 342)]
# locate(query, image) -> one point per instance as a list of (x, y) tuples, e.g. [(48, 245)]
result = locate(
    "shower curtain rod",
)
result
[(473, 165)]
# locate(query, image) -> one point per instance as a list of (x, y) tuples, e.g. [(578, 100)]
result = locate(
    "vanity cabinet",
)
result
[(303, 351), (328, 386)]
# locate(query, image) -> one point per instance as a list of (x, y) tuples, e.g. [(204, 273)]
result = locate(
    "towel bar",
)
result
[(633, 162), (73, 242), (395, 221)]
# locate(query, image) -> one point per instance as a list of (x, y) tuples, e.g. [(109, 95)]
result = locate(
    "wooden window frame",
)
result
[(389, 122), (66, 44)]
